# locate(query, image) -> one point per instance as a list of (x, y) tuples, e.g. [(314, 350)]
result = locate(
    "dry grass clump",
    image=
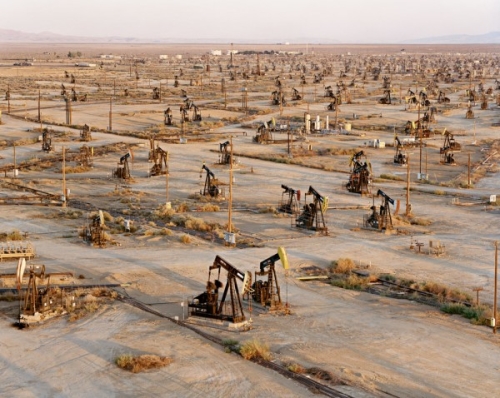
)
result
[(268, 209), (255, 349), (186, 239), (342, 266), (337, 151), (182, 208), (353, 282), (142, 363), (479, 315), (71, 214), (231, 345), (390, 177), (13, 235), (296, 368), (208, 207), (164, 212), (76, 169)]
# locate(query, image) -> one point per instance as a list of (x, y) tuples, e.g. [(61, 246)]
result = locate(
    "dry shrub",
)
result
[(166, 232), (76, 169), (353, 282), (209, 207), (269, 209), (141, 363), (197, 224), (14, 235), (296, 368), (255, 349), (182, 208), (342, 266), (164, 212), (186, 239), (324, 375), (423, 222)]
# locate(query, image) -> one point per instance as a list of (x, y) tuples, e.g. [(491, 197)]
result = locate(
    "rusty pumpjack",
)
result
[(278, 98), (123, 169), (267, 292), (295, 95), (160, 160), (167, 117), (289, 200), (208, 305), (383, 219), (210, 188), (94, 233), (37, 299), (46, 140), (264, 135), (386, 100), (86, 133), (313, 214), (400, 155), (360, 178), (449, 147), (225, 153)]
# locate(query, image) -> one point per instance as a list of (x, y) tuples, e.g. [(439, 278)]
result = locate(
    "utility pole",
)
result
[(114, 87), (69, 111), (64, 175), (111, 114), (495, 292), (8, 99), (160, 92), (420, 133), (14, 145), (408, 205), (468, 173), (39, 116), (167, 174), (230, 204)]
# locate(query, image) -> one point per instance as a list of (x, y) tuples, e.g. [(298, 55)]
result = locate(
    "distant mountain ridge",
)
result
[(487, 38), (15, 36)]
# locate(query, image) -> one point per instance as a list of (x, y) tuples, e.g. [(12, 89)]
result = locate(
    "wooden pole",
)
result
[(468, 173), (160, 91), (167, 174), (64, 175), (408, 205), (39, 116), (495, 292), (14, 145), (111, 114), (230, 204)]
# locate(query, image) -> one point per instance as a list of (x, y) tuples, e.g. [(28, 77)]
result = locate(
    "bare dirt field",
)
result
[(365, 340)]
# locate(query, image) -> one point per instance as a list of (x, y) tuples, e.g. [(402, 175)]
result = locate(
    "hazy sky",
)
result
[(349, 21)]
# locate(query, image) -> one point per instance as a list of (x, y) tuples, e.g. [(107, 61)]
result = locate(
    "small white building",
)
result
[(216, 52), (178, 56), (85, 65), (229, 52), (163, 56)]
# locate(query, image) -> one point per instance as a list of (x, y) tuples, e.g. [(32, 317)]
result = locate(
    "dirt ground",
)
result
[(378, 346)]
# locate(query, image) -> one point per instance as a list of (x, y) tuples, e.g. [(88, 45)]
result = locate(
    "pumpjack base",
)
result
[(220, 324)]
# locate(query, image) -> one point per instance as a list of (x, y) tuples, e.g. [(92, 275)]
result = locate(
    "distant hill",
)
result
[(15, 36), (487, 38)]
